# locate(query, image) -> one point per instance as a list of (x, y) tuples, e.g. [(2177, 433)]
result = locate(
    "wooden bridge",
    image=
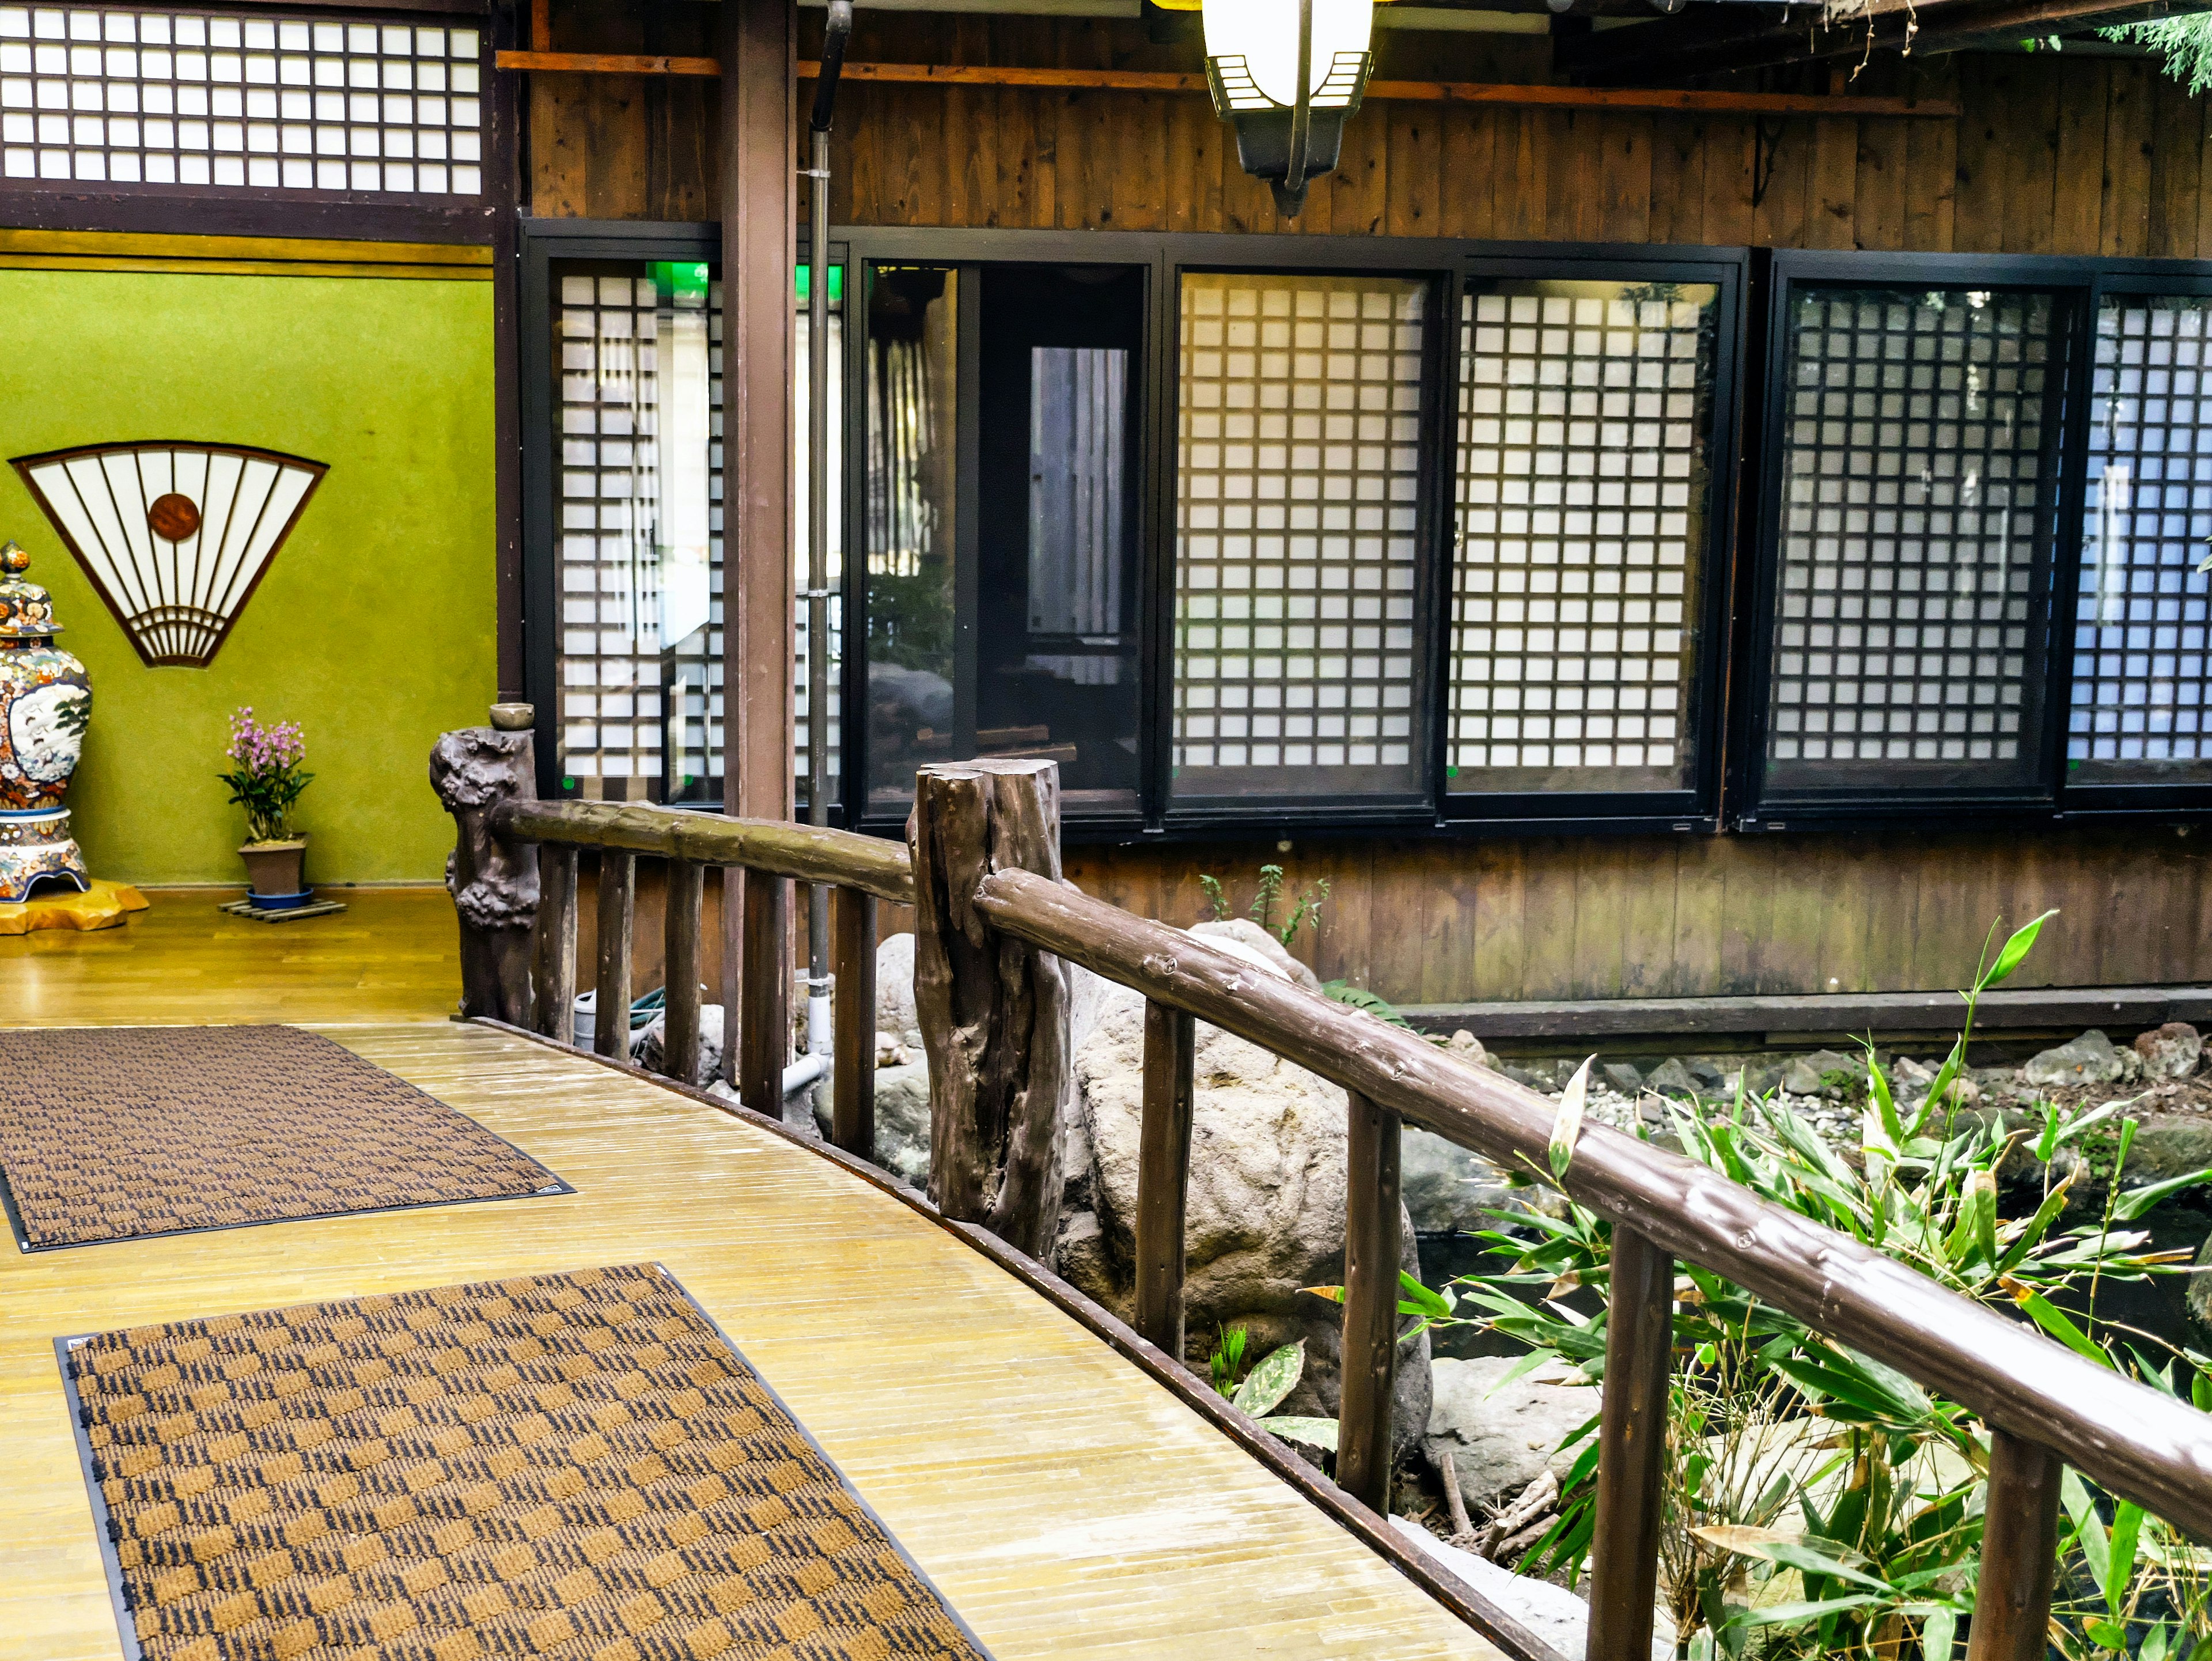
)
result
[(1063, 1502)]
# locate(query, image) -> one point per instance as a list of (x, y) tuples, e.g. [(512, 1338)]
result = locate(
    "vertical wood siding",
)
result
[(2051, 154)]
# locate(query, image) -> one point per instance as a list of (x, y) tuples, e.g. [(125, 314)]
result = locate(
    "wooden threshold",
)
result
[(1660, 98), (1829, 1014)]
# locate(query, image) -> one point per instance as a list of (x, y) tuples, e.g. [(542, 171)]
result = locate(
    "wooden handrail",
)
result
[(2137, 1442), (804, 852), (992, 918)]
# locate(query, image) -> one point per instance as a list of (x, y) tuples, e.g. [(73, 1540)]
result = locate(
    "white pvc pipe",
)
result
[(804, 1072)]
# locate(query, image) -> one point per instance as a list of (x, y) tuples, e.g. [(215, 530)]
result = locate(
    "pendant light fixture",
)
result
[(1285, 74)]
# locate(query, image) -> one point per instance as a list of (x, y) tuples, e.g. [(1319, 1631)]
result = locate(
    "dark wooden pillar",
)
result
[(1371, 1248), (756, 42), (1163, 1174), (2020, 1553), (1632, 1448)]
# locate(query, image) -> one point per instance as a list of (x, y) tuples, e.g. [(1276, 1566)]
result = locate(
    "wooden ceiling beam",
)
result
[(1661, 100)]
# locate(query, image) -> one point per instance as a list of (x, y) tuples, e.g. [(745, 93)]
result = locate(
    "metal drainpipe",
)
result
[(838, 29)]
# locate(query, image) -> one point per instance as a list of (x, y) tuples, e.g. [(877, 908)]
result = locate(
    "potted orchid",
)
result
[(266, 781)]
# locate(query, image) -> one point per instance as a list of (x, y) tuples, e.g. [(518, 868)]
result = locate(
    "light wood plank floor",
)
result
[(393, 955), (1065, 1503)]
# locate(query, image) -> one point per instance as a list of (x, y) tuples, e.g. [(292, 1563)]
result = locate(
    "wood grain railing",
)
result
[(994, 924)]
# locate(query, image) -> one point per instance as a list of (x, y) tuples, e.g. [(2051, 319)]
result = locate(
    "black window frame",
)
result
[(2186, 278), (1697, 808), (2077, 284)]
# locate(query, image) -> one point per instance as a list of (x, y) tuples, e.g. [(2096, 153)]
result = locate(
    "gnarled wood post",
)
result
[(494, 882), (994, 1011)]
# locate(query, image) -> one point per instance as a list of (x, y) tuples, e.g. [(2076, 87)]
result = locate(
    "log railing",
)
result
[(994, 925)]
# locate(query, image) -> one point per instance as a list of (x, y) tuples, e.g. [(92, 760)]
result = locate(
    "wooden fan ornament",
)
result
[(175, 536)]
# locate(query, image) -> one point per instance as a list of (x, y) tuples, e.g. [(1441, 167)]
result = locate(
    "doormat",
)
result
[(119, 1133), (566, 1465)]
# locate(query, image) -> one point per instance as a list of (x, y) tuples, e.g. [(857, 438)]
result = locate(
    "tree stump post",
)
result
[(994, 1011), (494, 882)]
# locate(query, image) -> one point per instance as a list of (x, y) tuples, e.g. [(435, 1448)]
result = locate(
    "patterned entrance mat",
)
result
[(117, 1133), (567, 1465)]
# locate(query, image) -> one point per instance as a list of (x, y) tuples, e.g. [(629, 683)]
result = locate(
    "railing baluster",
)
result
[(553, 943), (1370, 1302), (853, 961), (1632, 1448), (1163, 1176), (2020, 1553), (679, 928), (617, 906), (765, 1028)]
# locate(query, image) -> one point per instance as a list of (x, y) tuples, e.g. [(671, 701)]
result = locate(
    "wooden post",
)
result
[(553, 943), (617, 907), (1163, 1175), (494, 882), (993, 1012), (679, 1036), (1632, 1448), (764, 1026), (2020, 1553), (757, 42), (853, 961), (1371, 1246)]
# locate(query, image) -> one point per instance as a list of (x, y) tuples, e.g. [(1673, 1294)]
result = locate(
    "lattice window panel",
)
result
[(1298, 474), (1913, 518), (1580, 497), (2139, 643), (619, 702), (132, 96)]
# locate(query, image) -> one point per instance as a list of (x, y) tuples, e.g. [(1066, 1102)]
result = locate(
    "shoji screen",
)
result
[(1581, 492), (1298, 469), (2138, 713), (1918, 463)]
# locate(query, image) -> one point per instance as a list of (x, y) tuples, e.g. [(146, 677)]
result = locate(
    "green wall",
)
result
[(373, 627)]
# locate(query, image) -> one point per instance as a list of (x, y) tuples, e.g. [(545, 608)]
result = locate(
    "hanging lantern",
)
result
[(1285, 74)]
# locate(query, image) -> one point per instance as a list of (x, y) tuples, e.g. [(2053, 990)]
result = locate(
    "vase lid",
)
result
[(27, 610)]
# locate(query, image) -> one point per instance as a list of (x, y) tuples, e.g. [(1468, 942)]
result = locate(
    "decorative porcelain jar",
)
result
[(45, 703)]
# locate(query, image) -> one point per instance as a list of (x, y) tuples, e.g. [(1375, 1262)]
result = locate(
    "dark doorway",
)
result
[(1061, 368)]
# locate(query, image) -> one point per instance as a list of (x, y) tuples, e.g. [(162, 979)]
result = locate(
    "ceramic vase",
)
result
[(45, 702)]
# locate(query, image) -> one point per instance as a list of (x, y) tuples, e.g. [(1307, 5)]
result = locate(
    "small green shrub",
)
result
[(1267, 894)]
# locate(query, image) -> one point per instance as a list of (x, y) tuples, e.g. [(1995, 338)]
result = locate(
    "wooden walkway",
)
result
[(1064, 1503)]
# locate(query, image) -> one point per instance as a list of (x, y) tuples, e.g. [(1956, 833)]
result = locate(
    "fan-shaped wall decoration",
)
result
[(175, 536)]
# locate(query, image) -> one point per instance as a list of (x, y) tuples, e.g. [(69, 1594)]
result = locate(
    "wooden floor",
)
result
[(1063, 1503), (393, 955)]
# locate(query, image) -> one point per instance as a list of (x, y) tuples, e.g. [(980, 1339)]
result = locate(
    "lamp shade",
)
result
[(1264, 35), (1285, 74)]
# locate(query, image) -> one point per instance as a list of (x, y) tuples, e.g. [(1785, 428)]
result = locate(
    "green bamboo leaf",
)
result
[(1423, 1300), (2200, 1390), (2137, 1201), (2041, 1311), (2031, 1233), (2015, 951), (2088, 1527), (1292, 1427), (1938, 1634), (1569, 1124), (1789, 1614), (1885, 1104), (2154, 1644), (1808, 1560), (1276, 1377), (2120, 1565), (2109, 1634)]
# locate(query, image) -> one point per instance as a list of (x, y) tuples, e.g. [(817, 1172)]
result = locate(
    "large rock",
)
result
[(1502, 1439), (2169, 1147), (2171, 1051), (648, 1049), (1814, 1074), (2089, 1059), (902, 1121), (895, 985), (1265, 1212), (1243, 932), (1448, 1188), (1551, 1613)]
